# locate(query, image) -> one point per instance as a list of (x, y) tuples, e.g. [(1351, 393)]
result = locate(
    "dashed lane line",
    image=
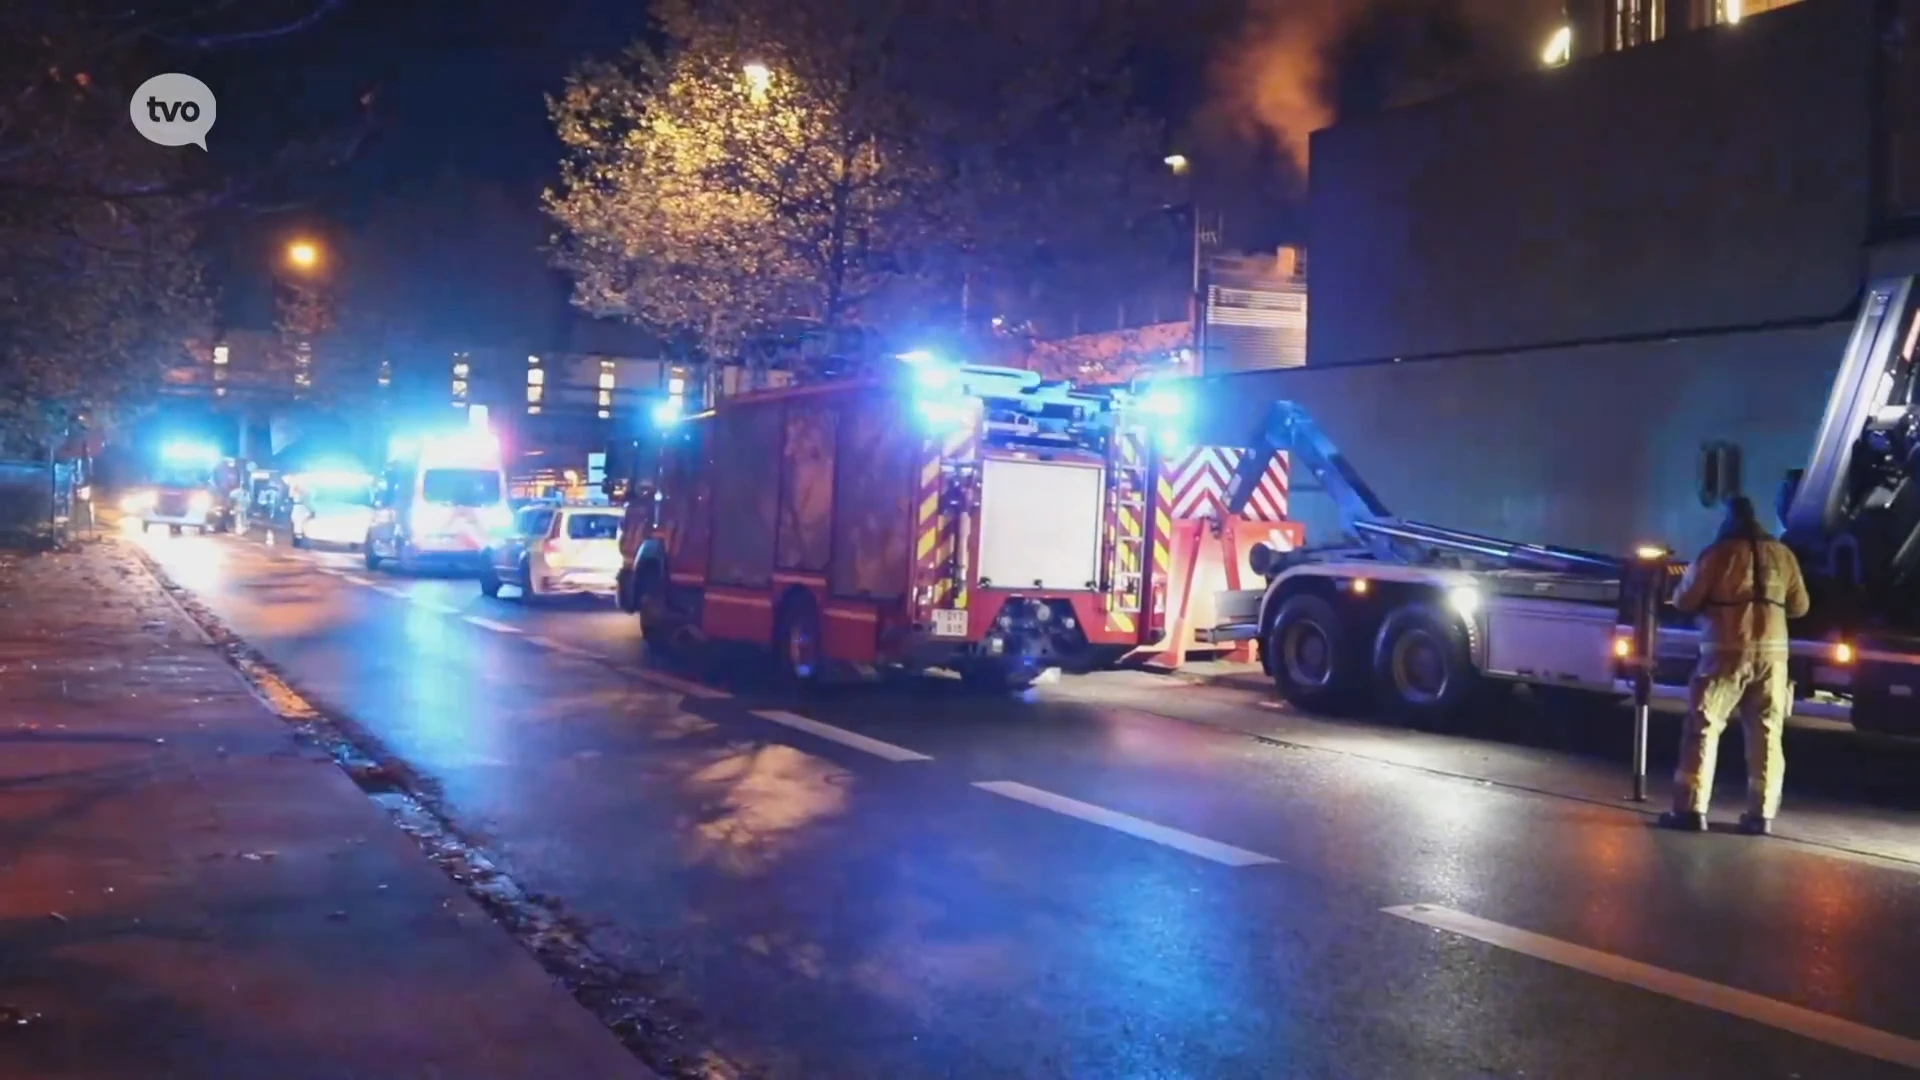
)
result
[(563, 648), (434, 606), (1214, 850), (391, 590), (842, 736), (356, 579), (675, 683), (1821, 1027), (492, 624)]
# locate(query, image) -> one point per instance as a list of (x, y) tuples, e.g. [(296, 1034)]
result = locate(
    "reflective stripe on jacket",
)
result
[(1744, 588)]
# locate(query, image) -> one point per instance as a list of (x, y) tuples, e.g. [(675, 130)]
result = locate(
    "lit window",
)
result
[(533, 361), (606, 399), (220, 355), (533, 410), (677, 385), (606, 380), (460, 388), (605, 415), (460, 370), (534, 394), (536, 377)]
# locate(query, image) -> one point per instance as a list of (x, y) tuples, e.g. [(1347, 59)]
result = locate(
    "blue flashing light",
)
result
[(188, 453), (916, 356), (934, 377), (667, 413), (1164, 403), (944, 415)]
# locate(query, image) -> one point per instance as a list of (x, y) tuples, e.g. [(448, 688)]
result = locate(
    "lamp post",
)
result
[(306, 314), (1181, 166)]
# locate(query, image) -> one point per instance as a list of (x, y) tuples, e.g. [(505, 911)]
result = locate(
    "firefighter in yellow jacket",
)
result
[(1744, 587)]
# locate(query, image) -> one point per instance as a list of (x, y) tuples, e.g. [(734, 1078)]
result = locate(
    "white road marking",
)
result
[(491, 624), (1126, 823), (391, 591), (842, 736), (356, 579), (435, 606), (1845, 1034), (334, 570), (670, 682), (563, 647)]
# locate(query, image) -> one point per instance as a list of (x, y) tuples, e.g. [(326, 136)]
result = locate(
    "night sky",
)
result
[(434, 212), (453, 92)]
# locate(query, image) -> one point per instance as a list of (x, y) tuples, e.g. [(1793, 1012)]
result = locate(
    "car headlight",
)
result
[(201, 502)]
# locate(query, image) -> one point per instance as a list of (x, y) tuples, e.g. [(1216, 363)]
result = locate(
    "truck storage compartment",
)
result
[(1040, 524)]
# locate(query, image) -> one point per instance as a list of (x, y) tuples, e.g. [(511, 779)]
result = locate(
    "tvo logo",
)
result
[(173, 110)]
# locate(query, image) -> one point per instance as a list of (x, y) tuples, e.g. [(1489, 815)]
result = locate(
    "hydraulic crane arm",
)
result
[(1853, 513), (1290, 428)]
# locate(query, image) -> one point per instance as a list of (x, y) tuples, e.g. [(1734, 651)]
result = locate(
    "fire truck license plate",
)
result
[(949, 623)]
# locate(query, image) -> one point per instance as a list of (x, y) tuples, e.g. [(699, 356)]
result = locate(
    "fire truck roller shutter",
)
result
[(1040, 524)]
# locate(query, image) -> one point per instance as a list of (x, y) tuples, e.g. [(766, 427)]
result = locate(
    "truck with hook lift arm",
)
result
[(1411, 616)]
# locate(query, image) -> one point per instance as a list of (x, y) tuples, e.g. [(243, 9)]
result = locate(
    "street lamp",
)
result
[(1178, 163), (759, 77), (303, 254)]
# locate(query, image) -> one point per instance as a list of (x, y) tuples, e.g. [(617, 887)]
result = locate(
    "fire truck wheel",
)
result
[(489, 581), (1423, 665), (796, 639), (1314, 665), (368, 555)]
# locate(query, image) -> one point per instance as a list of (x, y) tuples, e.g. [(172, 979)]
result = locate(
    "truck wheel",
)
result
[(1313, 662), (796, 640), (1423, 666), (489, 581), (372, 560)]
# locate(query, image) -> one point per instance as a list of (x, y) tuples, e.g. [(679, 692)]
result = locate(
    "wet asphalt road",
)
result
[(1075, 884)]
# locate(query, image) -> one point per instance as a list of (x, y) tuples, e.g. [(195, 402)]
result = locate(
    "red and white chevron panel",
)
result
[(1199, 479), (1269, 499)]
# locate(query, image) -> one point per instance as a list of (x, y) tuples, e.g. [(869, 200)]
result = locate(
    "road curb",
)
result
[(557, 941)]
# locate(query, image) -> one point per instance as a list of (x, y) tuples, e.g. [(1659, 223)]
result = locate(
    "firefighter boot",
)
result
[(1683, 821)]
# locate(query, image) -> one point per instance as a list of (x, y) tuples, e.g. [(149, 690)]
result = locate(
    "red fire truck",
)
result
[(970, 518)]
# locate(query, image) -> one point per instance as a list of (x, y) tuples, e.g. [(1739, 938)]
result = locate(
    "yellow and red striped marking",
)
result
[(937, 534)]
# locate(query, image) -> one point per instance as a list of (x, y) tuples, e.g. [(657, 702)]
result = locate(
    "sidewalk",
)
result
[(187, 892)]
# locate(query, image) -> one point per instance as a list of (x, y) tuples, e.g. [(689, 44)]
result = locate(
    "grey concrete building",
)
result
[(1541, 306)]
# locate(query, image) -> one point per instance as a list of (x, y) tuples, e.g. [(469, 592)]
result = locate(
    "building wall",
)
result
[(1596, 447), (1715, 179)]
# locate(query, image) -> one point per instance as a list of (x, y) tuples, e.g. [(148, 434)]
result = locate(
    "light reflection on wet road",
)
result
[(828, 909)]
